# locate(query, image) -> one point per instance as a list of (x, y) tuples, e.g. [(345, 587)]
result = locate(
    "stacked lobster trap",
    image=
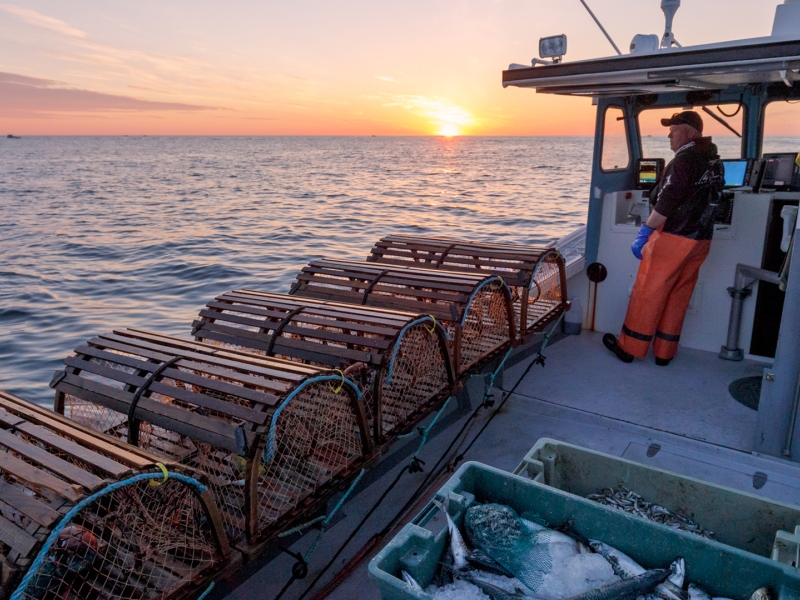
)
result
[(475, 309), (271, 436), (83, 517), (400, 360), (535, 275)]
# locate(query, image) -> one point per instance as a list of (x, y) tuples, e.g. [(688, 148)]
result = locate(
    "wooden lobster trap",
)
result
[(271, 436), (475, 309), (82, 517), (400, 360), (535, 275)]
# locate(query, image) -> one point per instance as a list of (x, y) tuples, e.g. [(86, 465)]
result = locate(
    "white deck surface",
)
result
[(584, 396)]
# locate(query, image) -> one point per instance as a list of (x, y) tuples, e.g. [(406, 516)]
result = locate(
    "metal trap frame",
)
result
[(272, 436), (535, 274), (83, 517), (400, 360), (476, 310)]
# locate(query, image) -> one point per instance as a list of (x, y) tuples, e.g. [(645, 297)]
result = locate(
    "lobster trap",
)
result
[(535, 275), (476, 310), (271, 436), (82, 517), (400, 360)]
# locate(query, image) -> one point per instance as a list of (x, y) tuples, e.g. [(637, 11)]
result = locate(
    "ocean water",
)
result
[(111, 232)]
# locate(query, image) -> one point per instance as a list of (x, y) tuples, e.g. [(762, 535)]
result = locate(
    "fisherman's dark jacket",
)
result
[(689, 189)]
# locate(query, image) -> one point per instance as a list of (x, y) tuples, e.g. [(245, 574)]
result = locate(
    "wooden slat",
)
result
[(204, 367), (236, 411), (17, 538), (37, 477), (50, 462), (86, 437), (98, 461), (29, 506), (212, 431)]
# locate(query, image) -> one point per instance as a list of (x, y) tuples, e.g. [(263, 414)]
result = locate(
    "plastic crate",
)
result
[(720, 569), (738, 519)]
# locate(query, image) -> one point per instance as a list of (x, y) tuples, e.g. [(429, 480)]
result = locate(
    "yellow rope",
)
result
[(341, 385), (432, 330), (156, 482)]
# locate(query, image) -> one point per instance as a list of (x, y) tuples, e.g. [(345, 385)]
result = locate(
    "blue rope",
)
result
[(478, 289), (62, 524), (269, 450), (207, 592), (327, 520), (400, 339), (423, 432), (493, 376), (536, 270)]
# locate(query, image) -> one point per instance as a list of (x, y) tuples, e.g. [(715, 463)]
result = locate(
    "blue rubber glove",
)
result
[(641, 240)]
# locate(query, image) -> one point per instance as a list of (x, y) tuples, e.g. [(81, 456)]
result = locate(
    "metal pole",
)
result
[(603, 29), (776, 408)]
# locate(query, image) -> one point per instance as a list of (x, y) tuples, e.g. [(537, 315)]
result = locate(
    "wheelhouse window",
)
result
[(781, 127), (655, 143), (616, 155)]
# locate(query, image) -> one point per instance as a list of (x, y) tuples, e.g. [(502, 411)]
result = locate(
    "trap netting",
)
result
[(79, 519), (213, 409), (535, 275), (445, 296), (399, 360)]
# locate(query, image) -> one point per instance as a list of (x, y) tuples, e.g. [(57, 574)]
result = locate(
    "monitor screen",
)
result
[(735, 172), (649, 171), (778, 170)]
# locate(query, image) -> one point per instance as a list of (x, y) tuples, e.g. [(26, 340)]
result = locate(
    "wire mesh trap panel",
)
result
[(535, 275), (399, 360), (475, 309), (270, 435), (79, 518)]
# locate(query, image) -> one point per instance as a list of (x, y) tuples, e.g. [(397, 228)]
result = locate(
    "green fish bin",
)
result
[(744, 521), (718, 568)]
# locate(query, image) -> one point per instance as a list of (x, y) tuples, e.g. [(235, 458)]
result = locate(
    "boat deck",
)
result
[(680, 418)]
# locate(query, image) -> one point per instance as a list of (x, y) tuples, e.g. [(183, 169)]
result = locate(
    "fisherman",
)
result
[(672, 244)]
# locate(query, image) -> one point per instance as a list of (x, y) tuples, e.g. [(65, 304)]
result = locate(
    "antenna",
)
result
[(605, 33), (670, 7)]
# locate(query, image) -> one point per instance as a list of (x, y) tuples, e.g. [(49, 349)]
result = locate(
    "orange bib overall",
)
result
[(664, 285)]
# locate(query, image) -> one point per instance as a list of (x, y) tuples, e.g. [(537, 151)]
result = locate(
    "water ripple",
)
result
[(102, 233)]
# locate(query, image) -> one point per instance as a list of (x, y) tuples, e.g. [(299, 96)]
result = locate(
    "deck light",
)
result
[(554, 47)]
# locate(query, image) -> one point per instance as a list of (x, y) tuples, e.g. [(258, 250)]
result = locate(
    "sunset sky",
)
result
[(314, 67)]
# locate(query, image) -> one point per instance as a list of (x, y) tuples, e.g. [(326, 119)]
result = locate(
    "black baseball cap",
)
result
[(687, 117)]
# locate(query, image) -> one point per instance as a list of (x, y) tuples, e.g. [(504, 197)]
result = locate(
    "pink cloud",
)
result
[(20, 94)]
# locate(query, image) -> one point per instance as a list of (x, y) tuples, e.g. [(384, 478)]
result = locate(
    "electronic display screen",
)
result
[(778, 170), (735, 172), (649, 171)]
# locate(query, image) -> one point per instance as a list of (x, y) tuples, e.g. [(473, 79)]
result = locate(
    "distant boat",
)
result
[(13, 137)]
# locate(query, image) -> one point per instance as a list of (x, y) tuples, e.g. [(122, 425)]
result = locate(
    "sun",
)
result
[(449, 130)]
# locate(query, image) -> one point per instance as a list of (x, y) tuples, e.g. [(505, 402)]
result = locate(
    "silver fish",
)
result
[(479, 558), (696, 593), (761, 594), (494, 592), (622, 498), (672, 588), (624, 566), (627, 589), (457, 545), (412, 583)]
